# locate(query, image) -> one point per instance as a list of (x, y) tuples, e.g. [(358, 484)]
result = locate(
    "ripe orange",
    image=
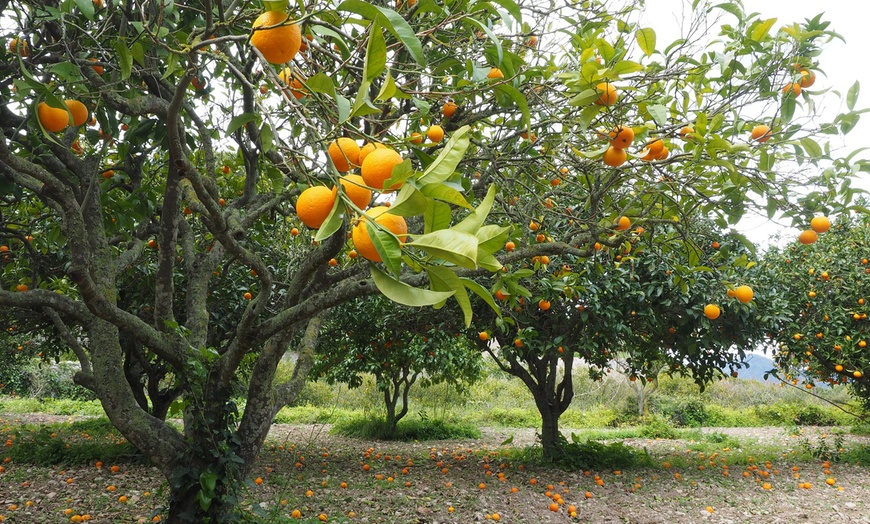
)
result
[(614, 157), (362, 242), (820, 224), (483, 335), (857, 374), (314, 205), (293, 82), (415, 138), (53, 119), (687, 133), (501, 295), (510, 246), (435, 133), (808, 237), (354, 188), (760, 133), (544, 304), (744, 294), (79, 111), (808, 78), (344, 153), (621, 137), (607, 94), (554, 507), (378, 168), (277, 44), (712, 311), (792, 87), (249, 296), (368, 148), (448, 109), (623, 223), (19, 47), (97, 68), (21, 287), (495, 73)]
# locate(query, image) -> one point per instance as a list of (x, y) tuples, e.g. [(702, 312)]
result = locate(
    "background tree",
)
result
[(640, 313), (398, 346), (823, 290)]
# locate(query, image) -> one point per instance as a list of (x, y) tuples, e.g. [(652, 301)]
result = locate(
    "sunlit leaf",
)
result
[(453, 246), (404, 294), (646, 39)]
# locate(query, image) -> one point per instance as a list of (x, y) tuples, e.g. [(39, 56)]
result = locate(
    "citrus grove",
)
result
[(188, 191)]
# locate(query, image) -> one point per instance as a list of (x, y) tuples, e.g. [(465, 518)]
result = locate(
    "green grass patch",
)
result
[(406, 430), (76, 443), (313, 415), (84, 408)]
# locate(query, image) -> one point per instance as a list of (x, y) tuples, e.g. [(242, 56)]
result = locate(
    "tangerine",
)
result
[(355, 188), (344, 153), (378, 168), (277, 44), (53, 119), (314, 205)]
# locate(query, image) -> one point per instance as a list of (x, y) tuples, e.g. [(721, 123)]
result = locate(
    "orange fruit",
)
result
[(623, 223), (808, 78), (435, 133), (314, 205), (820, 224), (712, 311), (857, 374), (483, 335), (760, 133), (554, 507), (296, 514), (277, 44), (368, 148), (808, 237), (293, 82), (378, 168), (249, 296), (621, 137), (415, 138), (664, 154), (344, 153), (501, 295), (19, 47), (614, 156), (495, 73), (687, 133), (53, 119), (97, 68), (448, 109), (744, 294), (354, 188), (510, 246), (79, 111), (544, 304), (793, 87), (362, 242), (607, 94)]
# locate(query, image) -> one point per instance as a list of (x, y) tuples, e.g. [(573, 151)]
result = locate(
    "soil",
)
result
[(300, 458)]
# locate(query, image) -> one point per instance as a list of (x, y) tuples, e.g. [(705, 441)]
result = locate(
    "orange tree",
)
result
[(398, 347), (639, 311), (823, 286), (214, 136)]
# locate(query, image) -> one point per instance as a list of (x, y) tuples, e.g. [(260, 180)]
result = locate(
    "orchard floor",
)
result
[(306, 468)]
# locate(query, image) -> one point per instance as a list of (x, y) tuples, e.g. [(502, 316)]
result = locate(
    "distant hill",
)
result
[(758, 366)]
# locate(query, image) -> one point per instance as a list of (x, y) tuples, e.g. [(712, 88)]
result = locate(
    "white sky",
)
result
[(842, 64)]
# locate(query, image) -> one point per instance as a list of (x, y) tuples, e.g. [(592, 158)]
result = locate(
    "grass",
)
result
[(406, 430), (74, 443)]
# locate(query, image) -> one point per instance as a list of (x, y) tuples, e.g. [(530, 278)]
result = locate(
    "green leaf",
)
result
[(387, 245), (266, 137), (388, 90), (343, 108), (492, 37), (321, 83), (445, 193), (451, 154), (659, 113), (394, 23), (404, 294), (443, 279), (811, 147), (238, 121), (518, 99), (453, 246), (86, 7), (491, 238), (409, 201), (473, 222), (376, 53), (852, 95), (208, 481), (626, 67), (275, 5), (646, 39), (125, 59), (436, 216), (761, 29), (588, 114), (482, 292), (332, 223), (489, 263)]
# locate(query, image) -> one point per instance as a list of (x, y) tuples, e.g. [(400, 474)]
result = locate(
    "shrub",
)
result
[(591, 454), (406, 430), (657, 427)]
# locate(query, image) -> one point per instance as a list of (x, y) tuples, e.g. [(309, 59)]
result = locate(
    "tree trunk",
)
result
[(551, 439)]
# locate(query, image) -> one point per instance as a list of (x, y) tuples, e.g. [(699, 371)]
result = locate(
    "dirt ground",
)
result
[(303, 467)]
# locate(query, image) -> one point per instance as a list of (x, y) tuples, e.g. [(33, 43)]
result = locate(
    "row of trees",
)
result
[(159, 239)]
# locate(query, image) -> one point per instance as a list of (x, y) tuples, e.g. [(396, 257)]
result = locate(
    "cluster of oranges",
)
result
[(818, 225), (743, 294), (376, 162)]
